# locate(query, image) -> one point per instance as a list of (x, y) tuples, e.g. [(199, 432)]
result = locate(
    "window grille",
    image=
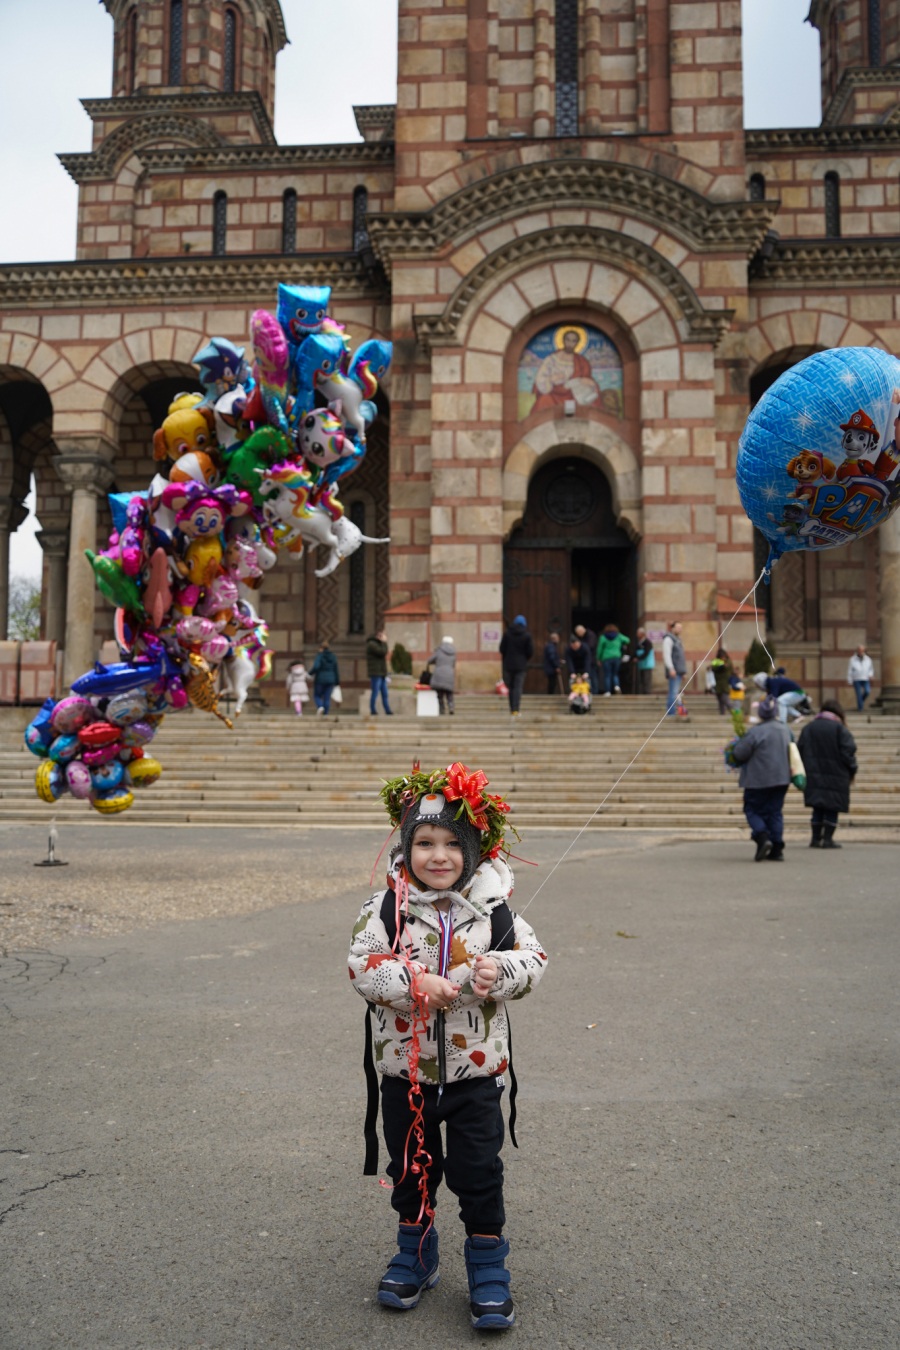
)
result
[(757, 187), (567, 67), (176, 40), (358, 573), (874, 32), (220, 224), (360, 207), (289, 221), (832, 206), (230, 53)]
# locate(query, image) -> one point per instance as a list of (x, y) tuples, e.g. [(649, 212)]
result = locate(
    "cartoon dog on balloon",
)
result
[(845, 474)]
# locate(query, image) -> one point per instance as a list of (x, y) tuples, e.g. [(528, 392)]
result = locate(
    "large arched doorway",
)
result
[(568, 562)]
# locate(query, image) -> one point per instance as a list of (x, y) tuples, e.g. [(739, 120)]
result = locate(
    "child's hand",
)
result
[(441, 992), (485, 975)]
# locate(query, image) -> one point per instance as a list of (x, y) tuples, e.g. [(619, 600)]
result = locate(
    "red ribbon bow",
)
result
[(468, 786)]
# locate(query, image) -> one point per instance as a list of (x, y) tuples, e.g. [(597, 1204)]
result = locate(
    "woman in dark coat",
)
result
[(828, 752)]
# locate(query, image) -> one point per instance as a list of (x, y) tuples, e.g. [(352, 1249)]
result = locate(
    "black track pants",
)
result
[(472, 1168)]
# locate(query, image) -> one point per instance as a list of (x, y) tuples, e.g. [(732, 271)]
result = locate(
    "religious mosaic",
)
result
[(570, 362)]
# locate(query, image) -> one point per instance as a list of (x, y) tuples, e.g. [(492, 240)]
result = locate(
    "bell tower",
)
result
[(181, 46)]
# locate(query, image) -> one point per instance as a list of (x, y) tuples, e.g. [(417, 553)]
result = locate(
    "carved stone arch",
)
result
[(568, 184), (136, 134), (807, 330), (574, 436), (143, 358), (563, 243)]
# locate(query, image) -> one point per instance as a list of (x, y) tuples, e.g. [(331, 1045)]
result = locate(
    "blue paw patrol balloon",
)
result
[(819, 459)]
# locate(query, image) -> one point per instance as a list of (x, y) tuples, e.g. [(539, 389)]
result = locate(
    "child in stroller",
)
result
[(580, 694)]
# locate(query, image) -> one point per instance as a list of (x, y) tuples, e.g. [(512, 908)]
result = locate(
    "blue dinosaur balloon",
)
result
[(819, 459)]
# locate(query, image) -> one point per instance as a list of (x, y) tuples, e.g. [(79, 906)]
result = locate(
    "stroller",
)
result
[(580, 695)]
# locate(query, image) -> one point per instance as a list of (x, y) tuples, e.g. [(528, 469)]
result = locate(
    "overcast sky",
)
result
[(342, 52)]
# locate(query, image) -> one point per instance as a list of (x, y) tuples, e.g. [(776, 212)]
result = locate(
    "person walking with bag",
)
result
[(828, 752), (376, 669), (325, 677), (443, 679), (516, 649), (764, 755)]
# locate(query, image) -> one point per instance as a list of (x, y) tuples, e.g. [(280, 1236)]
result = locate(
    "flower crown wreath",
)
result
[(486, 811)]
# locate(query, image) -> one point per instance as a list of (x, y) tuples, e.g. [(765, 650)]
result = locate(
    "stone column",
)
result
[(593, 118), (11, 516), (54, 540), (87, 474), (889, 613), (543, 38)]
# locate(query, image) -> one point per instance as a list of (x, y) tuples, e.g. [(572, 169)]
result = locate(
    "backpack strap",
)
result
[(370, 1131), (370, 1128), (503, 939)]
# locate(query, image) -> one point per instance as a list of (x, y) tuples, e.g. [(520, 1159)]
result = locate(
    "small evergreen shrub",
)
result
[(401, 660), (757, 660)]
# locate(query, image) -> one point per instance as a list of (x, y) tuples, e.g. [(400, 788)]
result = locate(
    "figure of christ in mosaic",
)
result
[(570, 363)]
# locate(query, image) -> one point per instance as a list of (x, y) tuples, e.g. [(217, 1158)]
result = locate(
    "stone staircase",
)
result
[(276, 769)]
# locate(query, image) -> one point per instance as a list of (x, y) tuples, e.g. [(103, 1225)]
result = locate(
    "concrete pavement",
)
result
[(713, 1164)]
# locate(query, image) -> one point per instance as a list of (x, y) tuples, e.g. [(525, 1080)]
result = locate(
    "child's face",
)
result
[(437, 858)]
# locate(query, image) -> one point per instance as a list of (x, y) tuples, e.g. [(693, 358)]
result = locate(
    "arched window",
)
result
[(130, 51), (229, 52), (360, 207), (874, 27), (832, 206), (220, 224), (757, 187), (289, 221), (567, 67), (358, 573), (176, 40)]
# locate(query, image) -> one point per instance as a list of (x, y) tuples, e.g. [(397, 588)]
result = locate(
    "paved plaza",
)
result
[(708, 1106)]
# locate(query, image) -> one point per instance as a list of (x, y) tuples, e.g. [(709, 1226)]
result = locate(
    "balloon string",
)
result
[(643, 746), (421, 1159)]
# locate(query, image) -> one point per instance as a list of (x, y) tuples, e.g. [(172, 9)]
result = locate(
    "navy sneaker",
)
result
[(408, 1274), (491, 1305)]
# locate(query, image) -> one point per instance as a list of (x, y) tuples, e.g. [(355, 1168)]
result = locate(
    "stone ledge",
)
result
[(244, 278)]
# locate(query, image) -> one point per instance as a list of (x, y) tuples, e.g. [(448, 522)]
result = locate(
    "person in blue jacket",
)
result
[(325, 676), (552, 663), (787, 693)]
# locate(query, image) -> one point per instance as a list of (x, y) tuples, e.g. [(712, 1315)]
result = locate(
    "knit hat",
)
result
[(767, 708), (520, 618), (432, 808)]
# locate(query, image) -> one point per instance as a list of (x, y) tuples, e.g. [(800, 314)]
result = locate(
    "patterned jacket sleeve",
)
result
[(375, 973), (520, 969)]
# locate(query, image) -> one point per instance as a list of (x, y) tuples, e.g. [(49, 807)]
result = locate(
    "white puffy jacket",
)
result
[(475, 1028)]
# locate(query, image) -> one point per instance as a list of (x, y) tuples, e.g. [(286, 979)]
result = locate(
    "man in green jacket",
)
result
[(376, 669)]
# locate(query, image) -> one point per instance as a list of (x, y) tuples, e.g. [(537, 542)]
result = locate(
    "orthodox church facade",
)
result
[(589, 272)]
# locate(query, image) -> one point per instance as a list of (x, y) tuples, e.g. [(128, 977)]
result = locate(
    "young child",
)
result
[(580, 694), (297, 683), (441, 945), (736, 689)]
